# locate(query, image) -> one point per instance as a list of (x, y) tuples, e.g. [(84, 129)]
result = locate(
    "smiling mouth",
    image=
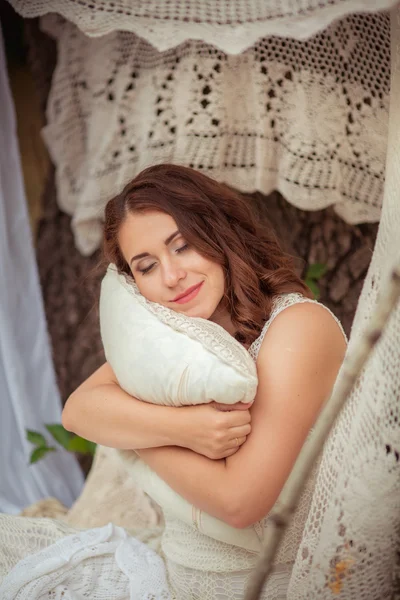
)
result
[(189, 294)]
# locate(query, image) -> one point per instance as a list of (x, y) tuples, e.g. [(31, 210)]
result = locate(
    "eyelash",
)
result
[(182, 248), (178, 251)]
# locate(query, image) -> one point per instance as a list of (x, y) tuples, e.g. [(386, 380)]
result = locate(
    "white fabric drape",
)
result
[(230, 25), (28, 392)]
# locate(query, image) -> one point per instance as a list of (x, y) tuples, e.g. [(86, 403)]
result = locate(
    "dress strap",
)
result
[(281, 302)]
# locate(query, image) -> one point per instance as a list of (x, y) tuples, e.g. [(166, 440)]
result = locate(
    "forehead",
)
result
[(142, 230)]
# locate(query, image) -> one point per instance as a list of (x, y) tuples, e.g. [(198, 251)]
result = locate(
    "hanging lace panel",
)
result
[(307, 118), (231, 25), (352, 533)]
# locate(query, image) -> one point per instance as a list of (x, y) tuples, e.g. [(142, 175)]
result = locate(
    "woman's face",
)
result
[(166, 269)]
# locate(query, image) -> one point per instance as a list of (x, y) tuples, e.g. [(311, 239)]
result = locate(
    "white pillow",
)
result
[(164, 357)]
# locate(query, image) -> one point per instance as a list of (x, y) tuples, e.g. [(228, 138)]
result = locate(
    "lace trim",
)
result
[(211, 335), (280, 303), (233, 25)]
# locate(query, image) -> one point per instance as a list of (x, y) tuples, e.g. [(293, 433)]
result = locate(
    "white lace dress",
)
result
[(108, 564)]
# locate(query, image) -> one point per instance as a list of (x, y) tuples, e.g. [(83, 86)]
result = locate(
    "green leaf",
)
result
[(313, 287), (91, 447), (78, 444), (60, 434), (40, 452), (316, 271), (34, 437)]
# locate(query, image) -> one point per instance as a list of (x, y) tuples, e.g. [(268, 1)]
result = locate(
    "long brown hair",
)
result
[(218, 223)]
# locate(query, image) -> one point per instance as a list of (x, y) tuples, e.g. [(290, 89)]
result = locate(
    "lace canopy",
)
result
[(308, 118)]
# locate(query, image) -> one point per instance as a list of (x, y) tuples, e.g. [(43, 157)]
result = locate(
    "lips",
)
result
[(188, 294)]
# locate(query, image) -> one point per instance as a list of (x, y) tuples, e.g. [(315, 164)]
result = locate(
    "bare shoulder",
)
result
[(305, 331)]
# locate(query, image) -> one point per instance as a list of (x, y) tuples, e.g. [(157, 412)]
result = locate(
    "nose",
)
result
[(173, 274)]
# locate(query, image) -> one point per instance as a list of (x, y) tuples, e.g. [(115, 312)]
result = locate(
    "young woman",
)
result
[(192, 245)]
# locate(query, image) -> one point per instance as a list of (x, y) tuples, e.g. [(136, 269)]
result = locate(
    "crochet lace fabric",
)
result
[(231, 25), (352, 533), (308, 118), (103, 564)]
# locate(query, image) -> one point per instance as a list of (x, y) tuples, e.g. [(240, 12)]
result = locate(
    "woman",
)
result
[(192, 245)]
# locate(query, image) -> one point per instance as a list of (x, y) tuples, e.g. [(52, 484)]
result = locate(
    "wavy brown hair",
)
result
[(218, 223)]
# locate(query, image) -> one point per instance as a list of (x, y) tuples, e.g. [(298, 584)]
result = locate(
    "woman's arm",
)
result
[(99, 410), (297, 366)]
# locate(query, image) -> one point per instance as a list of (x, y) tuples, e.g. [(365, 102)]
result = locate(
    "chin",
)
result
[(200, 312), (195, 312)]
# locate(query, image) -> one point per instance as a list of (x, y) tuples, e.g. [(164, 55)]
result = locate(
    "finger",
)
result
[(237, 432), (241, 406), (230, 407), (237, 442), (222, 407), (237, 418), (230, 452)]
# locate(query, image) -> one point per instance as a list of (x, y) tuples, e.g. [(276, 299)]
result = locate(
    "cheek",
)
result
[(217, 278), (147, 289), (221, 281)]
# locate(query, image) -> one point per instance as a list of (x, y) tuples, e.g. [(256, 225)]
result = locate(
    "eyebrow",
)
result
[(166, 242)]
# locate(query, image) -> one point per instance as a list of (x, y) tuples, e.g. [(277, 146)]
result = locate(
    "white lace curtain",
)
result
[(28, 391)]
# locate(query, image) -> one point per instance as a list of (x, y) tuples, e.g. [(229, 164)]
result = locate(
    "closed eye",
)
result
[(182, 248), (147, 269), (150, 267)]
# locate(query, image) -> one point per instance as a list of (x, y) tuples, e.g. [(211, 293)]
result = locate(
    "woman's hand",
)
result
[(215, 430)]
